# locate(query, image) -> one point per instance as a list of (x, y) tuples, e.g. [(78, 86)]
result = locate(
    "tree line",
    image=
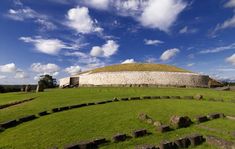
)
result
[(45, 81)]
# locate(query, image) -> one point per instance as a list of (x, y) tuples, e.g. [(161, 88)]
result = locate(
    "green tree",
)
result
[(47, 81), (2, 89)]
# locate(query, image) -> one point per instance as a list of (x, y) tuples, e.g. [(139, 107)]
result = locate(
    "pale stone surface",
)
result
[(69, 81), (64, 82), (144, 77)]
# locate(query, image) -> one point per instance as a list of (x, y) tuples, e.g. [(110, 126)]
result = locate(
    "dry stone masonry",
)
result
[(138, 78)]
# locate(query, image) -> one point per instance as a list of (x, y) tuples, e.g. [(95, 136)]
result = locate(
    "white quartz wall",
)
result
[(144, 77), (64, 81)]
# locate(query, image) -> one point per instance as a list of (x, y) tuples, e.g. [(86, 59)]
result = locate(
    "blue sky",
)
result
[(63, 37)]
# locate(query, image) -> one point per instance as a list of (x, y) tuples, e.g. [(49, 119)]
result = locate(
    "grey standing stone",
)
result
[(27, 88), (39, 88)]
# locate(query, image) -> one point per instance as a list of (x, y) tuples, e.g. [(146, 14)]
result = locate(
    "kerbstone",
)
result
[(139, 133), (119, 137)]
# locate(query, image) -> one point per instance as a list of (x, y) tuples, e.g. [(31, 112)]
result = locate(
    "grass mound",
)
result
[(139, 67)]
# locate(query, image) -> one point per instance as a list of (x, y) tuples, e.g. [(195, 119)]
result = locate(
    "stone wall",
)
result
[(64, 82), (143, 78)]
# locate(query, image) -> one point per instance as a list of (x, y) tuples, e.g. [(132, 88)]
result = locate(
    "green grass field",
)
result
[(60, 129)]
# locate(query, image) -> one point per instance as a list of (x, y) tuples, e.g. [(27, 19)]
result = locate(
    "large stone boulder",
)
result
[(180, 121), (139, 133), (198, 97), (143, 116)]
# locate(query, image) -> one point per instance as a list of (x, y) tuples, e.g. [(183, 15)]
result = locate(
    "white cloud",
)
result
[(21, 14), (186, 30), (80, 20), (47, 46), (51, 69), (191, 56), (230, 4), (46, 25), (8, 68), (230, 23), (161, 14), (152, 42), (150, 59), (12, 70), (97, 51), (2, 77), (231, 59), (156, 14), (26, 13), (85, 61), (226, 69), (20, 74), (128, 61), (77, 54), (98, 4), (106, 50), (218, 49), (190, 64), (168, 54), (73, 70)]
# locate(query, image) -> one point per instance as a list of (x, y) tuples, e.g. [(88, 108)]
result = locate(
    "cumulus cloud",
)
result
[(8, 68), (152, 42), (186, 30), (85, 61), (230, 4), (218, 49), (80, 20), (168, 54), (13, 70), (51, 69), (98, 4), (20, 74), (161, 14), (128, 61), (47, 46), (106, 50), (231, 59), (156, 14), (73, 70)]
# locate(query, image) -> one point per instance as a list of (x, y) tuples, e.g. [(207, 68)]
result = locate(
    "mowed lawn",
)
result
[(60, 129)]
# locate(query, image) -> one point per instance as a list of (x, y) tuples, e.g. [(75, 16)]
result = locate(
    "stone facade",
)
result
[(137, 78), (143, 78), (64, 82)]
